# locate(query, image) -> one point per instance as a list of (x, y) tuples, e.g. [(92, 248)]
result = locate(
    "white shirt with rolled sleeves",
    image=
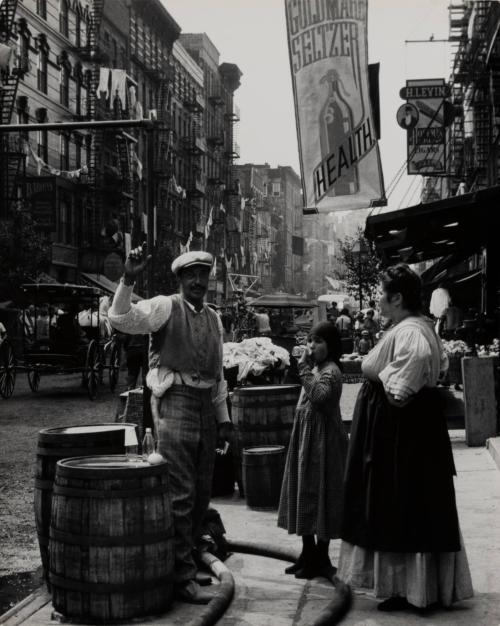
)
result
[(148, 316)]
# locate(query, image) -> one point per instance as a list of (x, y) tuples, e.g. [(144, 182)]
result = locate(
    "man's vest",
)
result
[(188, 342)]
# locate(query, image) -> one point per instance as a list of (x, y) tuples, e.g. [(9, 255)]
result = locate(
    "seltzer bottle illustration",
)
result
[(336, 122)]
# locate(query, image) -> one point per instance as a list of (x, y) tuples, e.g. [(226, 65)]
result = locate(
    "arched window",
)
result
[(41, 8), (64, 17), (43, 56), (78, 74), (78, 28), (64, 82)]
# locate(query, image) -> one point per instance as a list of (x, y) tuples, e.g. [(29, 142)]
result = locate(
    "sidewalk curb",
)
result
[(493, 446)]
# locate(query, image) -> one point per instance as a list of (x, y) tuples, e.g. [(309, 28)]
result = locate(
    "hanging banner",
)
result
[(339, 157)]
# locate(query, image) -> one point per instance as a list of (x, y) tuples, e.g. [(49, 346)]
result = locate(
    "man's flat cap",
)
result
[(197, 257)]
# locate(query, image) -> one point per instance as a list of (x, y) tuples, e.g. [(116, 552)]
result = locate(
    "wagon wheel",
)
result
[(34, 379), (7, 370), (92, 369), (114, 365)]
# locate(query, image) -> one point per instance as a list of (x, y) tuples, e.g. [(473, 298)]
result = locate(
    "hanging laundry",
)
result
[(139, 114), (132, 97), (137, 164), (103, 86), (5, 52), (119, 86)]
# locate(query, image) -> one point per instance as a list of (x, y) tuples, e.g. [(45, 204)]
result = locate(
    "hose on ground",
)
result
[(336, 609), (334, 612), (216, 608)]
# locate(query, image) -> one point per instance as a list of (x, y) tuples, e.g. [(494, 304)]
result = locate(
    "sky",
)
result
[(252, 34)]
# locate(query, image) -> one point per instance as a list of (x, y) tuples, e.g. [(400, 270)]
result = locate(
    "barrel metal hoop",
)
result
[(67, 453), (115, 541), (106, 588), (45, 485), (74, 492)]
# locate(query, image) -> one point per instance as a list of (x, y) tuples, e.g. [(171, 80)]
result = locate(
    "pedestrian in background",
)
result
[(344, 323), (135, 356), (311, 493), (400, 526)]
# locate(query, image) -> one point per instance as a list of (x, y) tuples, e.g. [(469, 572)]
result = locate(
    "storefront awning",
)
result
[(108, 286), (459, 225)]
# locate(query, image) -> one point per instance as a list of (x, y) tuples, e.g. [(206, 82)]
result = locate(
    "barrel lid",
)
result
[(80, 429), (267, 388), (108, 466), (263, 449)]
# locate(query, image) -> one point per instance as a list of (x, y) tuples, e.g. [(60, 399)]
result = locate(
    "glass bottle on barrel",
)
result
[(148, 444), (336, 123)]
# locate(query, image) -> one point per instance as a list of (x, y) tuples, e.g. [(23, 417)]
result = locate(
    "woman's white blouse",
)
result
[(408, 357)]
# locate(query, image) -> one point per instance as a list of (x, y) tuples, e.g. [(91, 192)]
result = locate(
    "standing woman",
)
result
[(400, 526), (311, 493)]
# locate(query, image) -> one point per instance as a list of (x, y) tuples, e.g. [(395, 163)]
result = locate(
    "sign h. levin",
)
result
[(423, 116)]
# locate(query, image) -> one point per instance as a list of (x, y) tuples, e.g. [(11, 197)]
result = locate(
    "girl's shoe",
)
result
[(292, 569)]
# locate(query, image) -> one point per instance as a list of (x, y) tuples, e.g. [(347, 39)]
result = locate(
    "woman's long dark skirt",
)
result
[(399, 494)]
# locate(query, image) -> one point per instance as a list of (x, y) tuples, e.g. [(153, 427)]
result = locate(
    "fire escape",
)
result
[(472, 33), (164, 144), (195, 145), (12, 148), (92, 52)]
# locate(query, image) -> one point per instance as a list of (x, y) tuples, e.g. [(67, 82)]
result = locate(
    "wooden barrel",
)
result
[(111, 539), (61, 443), (263, 468), (263, 415)]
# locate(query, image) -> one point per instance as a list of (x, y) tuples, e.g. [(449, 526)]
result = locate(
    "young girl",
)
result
[(311, 493)]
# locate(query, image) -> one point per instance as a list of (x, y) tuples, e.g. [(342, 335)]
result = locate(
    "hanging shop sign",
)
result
[(423, 117), (41, 196), (339, 156)]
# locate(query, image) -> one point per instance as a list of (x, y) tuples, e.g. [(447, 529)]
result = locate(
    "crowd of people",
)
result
[(392, 505)]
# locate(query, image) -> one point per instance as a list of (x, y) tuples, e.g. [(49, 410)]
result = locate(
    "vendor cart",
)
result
[(61, 332)]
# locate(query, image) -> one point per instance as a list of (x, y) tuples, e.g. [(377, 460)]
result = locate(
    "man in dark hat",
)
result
[(188, 393)]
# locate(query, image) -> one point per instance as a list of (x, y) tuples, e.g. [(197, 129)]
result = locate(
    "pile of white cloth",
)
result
[(254, 356)]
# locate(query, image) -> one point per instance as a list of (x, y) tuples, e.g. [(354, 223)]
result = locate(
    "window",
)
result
[(78, 29), (276, 189), (63, 18), (78, 90), (64, 86), (64, 152), (42, 69), (24, 57), (41, 8), (78, 153), (42, 145)]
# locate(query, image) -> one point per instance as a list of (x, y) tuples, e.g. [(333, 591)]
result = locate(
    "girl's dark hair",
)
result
[(344, 312), (331, 336), (401, 279)]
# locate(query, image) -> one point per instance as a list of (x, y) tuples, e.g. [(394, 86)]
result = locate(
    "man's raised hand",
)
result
[(136, 263)]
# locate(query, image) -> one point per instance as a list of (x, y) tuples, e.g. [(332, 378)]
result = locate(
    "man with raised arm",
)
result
[(188, 393)]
